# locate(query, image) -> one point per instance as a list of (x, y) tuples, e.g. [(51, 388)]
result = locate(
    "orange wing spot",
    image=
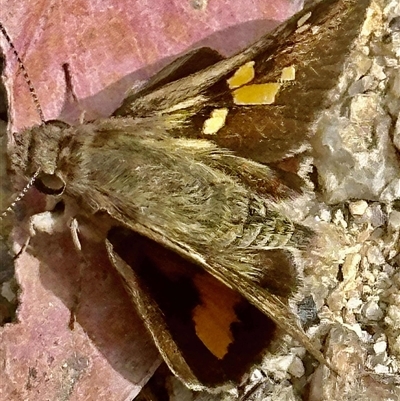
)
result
[(213, 317)]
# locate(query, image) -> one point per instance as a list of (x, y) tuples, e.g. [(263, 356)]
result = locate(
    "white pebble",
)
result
[(354, 303), (380, 347), (256, 375), (358, 208), (381, 369), (325, 215)]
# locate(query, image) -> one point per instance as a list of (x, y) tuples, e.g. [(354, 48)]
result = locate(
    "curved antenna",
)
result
[(41, 115), (21, 195), (24, 73)]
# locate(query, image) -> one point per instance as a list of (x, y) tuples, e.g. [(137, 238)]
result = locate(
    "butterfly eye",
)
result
[(49, 184)]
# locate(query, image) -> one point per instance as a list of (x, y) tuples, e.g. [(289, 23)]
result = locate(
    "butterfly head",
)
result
[(36, 153)]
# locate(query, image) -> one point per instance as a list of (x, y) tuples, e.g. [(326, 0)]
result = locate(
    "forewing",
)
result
[(315, 43)]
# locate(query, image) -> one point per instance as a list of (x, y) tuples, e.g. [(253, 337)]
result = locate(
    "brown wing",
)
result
[(315, 43), (208, 333)]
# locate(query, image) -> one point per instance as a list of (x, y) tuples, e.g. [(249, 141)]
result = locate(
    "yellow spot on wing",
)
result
[(256, 94), (288, 73), (217, 120), (242, 76)]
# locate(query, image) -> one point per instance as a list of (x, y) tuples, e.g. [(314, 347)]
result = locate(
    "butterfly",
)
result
[(185, 179)]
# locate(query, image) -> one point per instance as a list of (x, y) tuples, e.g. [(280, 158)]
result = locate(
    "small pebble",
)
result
[(375, 256), (358, 208), (256, 375), (381, 369), (376, 215), (372, 311), (354, 303), (7, 292), (394, 220), (350, 266), (325, 215), (380, 347), (296, 368)]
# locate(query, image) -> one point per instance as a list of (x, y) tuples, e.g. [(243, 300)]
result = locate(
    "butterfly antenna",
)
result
[(39, 110), (24, 73), (21, 195)]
